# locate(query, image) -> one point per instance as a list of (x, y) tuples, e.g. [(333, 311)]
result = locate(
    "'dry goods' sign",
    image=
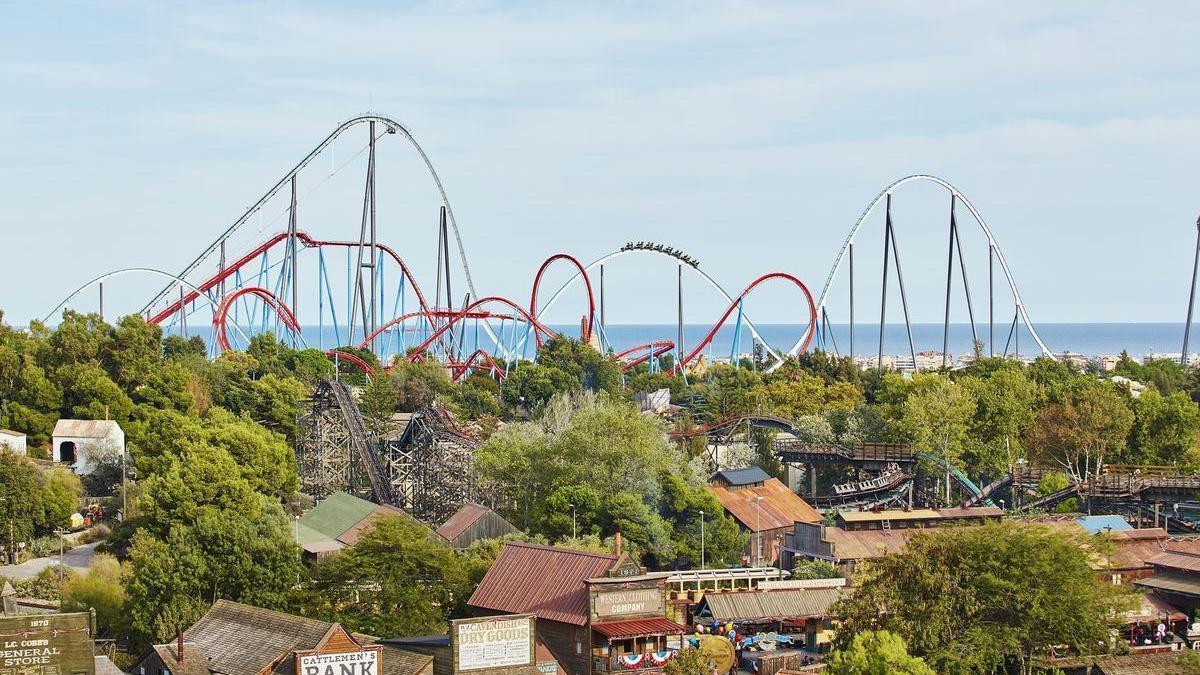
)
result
[(494, 643)]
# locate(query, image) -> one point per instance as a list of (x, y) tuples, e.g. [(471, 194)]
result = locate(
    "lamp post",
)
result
[(297, 530), (61, 546), (758, 529), (573, 532), (701, 538)]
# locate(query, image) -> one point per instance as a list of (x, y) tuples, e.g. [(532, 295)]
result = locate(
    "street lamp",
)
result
[(701, 538), (573, 533)]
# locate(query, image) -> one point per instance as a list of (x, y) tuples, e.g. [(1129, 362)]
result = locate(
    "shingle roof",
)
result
[(780, 507), (541, 580), (771, 605), (461, 520), (195, 662), (84, 428), (1141, 664), (105, 666), (747, 476), (245, 640)]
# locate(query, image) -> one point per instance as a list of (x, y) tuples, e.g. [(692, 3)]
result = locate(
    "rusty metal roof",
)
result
[(770, 605), (632, 628), (780, 507), (541, 580), (1180, 561), (84, 428), (461, 520)]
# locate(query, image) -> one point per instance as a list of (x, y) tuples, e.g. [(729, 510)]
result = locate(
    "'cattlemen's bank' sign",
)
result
[(365, 662), (494, 642), (47, 644)]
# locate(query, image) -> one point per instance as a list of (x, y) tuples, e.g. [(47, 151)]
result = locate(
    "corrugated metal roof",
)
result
[(747, 476), (1176, 560), (1096, 524), (541, 580), (864, 544), (84, 428), (638, 627), (772, 605), (336, 514), (780, 507), (461, 520), (1176, 583), (15, 434)]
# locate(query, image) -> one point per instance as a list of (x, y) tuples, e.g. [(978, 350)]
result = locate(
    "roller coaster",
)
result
[(228, 297)]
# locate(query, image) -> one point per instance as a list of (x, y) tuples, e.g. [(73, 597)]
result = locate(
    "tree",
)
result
[(688, 662), (1164, 428), (205, 534), (396, 580), (101, 589), (21, 510), (1091, 422), (531, 385), (876, 653), (1005, 407), (814, 569), (937, 416), (983, 599), (60, 496)]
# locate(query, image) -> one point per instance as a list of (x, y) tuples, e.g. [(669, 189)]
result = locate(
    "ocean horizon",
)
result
[(1091, 339)]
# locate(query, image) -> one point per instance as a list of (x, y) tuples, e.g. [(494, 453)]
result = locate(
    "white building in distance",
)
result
[(13, 441), (82, 444)]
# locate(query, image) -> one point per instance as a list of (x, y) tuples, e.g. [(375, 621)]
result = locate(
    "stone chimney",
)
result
[(617, 544), (179, 645)]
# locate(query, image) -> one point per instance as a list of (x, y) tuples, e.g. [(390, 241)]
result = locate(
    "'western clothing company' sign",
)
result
[(608, 604)]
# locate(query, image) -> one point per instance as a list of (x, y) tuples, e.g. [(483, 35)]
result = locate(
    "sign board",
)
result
[(493, 642), (628, 602), (47, 644), (364, 662)]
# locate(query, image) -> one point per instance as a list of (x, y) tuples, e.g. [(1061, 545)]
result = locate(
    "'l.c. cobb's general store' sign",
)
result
[(48, 644)]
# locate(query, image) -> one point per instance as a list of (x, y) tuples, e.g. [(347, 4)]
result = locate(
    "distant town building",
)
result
[(762, 506), (1074, 358), (83, 444), (1107, 362), (474, 522), (237, 639), (12, 441)]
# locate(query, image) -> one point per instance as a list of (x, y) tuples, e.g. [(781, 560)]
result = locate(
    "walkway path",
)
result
[(77, 559)]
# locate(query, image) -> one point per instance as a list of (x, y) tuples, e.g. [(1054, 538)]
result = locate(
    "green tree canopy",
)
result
[(876, 652)]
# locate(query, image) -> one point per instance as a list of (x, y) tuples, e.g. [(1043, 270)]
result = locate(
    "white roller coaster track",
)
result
[(138, 270), (992, 245)]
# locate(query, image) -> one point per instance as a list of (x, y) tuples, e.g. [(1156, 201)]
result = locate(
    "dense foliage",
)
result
[(979, 600)]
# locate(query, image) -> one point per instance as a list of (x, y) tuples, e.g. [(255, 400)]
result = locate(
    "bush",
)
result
[(98, 533), (42, 547)]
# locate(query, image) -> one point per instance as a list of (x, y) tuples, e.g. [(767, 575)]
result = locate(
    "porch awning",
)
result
[(633, 628)]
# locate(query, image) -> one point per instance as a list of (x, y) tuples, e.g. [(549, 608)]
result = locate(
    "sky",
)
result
[(750, 135)]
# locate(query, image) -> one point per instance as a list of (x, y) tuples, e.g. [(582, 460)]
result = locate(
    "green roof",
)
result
[(333, 517)]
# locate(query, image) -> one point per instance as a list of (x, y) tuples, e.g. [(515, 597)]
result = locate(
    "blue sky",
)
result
[(749, 134)]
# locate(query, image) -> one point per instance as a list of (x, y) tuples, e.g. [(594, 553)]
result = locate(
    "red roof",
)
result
[(541, 580), (617, 630), (779, 508)]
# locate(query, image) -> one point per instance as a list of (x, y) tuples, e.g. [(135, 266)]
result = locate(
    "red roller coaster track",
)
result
[(339, 355), (537, 283), (212, 282), (273, 303)]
